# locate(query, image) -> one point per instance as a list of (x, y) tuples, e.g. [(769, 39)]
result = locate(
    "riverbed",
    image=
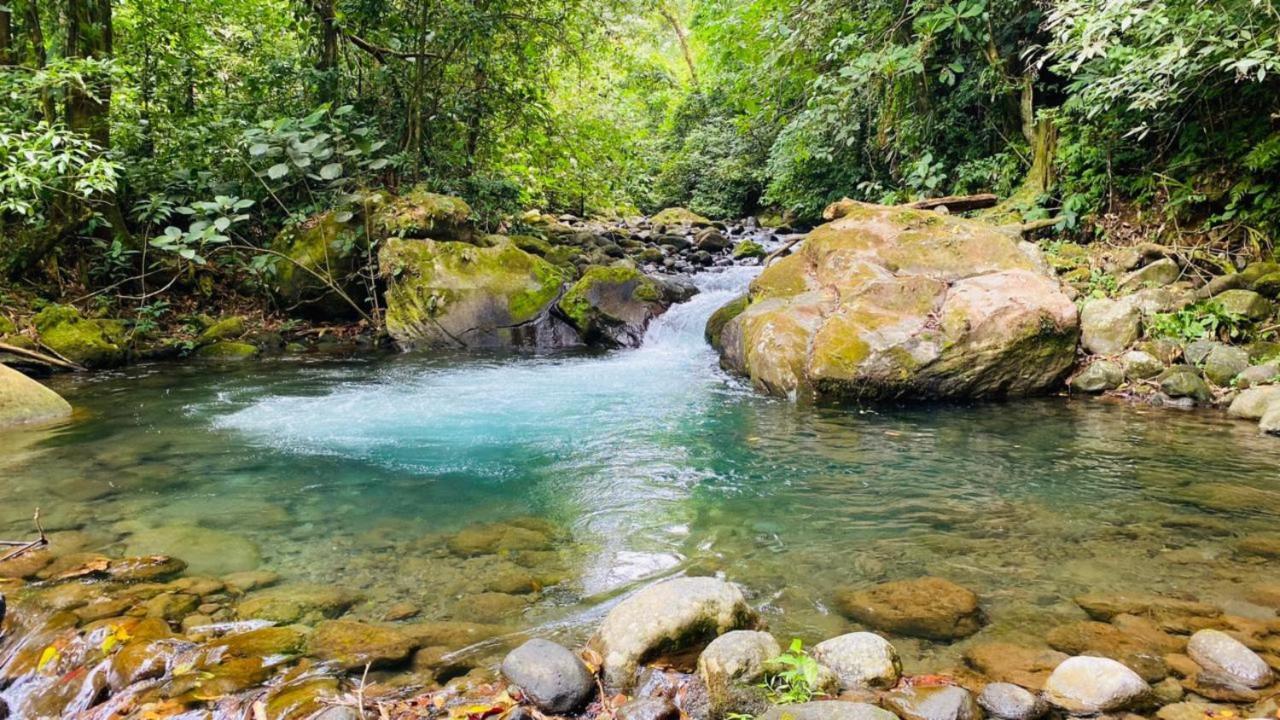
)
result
[(640, 465)]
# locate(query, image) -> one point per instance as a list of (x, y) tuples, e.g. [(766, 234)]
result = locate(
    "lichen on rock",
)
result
[(614, 305), (887, 303), (93, 343)]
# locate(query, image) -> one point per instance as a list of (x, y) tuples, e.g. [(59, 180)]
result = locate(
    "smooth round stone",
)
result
[(861, 660), (1086, 685), (927, 607), (1219, 652), (550, 675), (828, 710), (939, 702), (648, 709), (731, 668), (1010, 702)]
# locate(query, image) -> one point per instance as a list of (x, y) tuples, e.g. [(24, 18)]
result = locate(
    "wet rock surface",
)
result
[(549, 675), (928, 607)]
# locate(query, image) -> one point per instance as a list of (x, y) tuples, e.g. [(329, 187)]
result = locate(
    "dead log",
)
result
[(957, 203), (39, 356)]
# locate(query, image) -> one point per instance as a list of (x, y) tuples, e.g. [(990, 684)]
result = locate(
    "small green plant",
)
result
[(1101, 285), (797, 679), (1200, 321)]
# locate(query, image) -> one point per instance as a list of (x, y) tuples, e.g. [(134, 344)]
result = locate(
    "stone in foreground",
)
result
[(861, 660), (24, 401), (891, 303), (828, 710), (673, 615), (1086, 685), (927, 607), (932, 702), (549, 675), (1010, 702), (732, 667), (1218, 652)]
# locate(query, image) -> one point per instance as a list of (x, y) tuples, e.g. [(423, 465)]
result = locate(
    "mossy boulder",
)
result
[(421, 214), (93, 343), (892, 303), (228, 351), (456, 295), (749, 249), (614, 305), (228, 328), (676, 216), (1245, 303), (25, 401), (721, 317), (7, 327), (320, 256)]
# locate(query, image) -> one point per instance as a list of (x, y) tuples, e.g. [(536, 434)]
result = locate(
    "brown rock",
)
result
[(1263, 544), (1095, 638), (351, 644), (927, 607), (1104, 607), (1017, 664)]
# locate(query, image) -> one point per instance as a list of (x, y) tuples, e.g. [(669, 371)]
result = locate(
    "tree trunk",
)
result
[(682, 37), (1042, 135), (327, 63), (89, 37), (7, 55), (39, 55)]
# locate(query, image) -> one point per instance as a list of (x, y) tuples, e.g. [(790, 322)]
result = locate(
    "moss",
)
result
[(6, 326), (323, 244), (749, 249), (784, 278), (224, 329), (227, 350), (531, 244), (94, 343), (679, 216), (721, 317), (419, 213)]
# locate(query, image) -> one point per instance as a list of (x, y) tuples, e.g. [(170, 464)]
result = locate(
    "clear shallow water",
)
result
[(652, 462)]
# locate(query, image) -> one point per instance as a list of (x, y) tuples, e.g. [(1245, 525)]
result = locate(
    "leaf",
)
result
[(48, 657), (277, 171), (222, 223), (343, 216), (332, 171), (259, 149)]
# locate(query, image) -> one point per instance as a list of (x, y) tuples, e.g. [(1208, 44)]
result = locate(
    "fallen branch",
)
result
[(956, 203), (47, 359), (790, 244), (21, 547)]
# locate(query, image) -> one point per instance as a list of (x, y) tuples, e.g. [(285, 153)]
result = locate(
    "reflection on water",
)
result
[(654, 462)]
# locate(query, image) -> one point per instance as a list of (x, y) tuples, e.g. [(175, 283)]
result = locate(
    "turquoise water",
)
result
[(651, 462)]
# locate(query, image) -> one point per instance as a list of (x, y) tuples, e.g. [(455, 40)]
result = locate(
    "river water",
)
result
[(649, 463)]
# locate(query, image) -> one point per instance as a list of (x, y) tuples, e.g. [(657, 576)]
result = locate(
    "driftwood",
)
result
[(956, 203), (41, 357), (21, 547)]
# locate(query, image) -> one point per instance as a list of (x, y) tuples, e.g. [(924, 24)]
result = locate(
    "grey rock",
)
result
[(1224, 363), (937, 702), (671, 615), (1139, 364), (551, 676), (1159, 273), (1099, 376), (1257, 375), (1087, 685), (1253, 403), (1181, 381), (1270, 422), (860, 660), (648, 709), (1248, 303), (731, 668), (828, 710), (1218, 652), (711, 240), (1109, 326), (1010, 702), (1197, 350)]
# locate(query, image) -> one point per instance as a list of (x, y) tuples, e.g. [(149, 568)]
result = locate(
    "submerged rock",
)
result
[(614, 305), (456, 295), (887, 302), (861, 660), (1005, 662), (1086, 685), (24, 401), (670, 616), (206, 552), (828, 710), (296, 603), (350, 644), (927, 607), (550, 676)]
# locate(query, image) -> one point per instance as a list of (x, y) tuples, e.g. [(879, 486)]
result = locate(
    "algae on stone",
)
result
[(93, 343), (613, 305), (25, 401)]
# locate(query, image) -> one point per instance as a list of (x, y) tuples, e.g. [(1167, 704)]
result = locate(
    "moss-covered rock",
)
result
[(721, 317), (421, 214), (321, 254), (749, 249), (93, 343), (886, 302), (228, 351), (675, 216), (614, 305), (453, 294), (1245, 303), (228, 328), (6, 326), (25, 401)]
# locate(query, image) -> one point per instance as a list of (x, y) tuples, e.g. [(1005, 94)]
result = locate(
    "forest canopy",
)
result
[(178, 126)]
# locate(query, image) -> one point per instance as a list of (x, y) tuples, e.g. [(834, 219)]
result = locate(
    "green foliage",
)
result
[(1203, 320), (796, 680)]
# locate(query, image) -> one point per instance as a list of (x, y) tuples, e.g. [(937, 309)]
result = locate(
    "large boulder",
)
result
[(1109, 326), (549, 675), (886, 303), (614, 305), (418, 213), (91, 342), (316, 261), (24, 401), (676, 216), (1089, 685), (927, 607), (670, 616), (456, 295)]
